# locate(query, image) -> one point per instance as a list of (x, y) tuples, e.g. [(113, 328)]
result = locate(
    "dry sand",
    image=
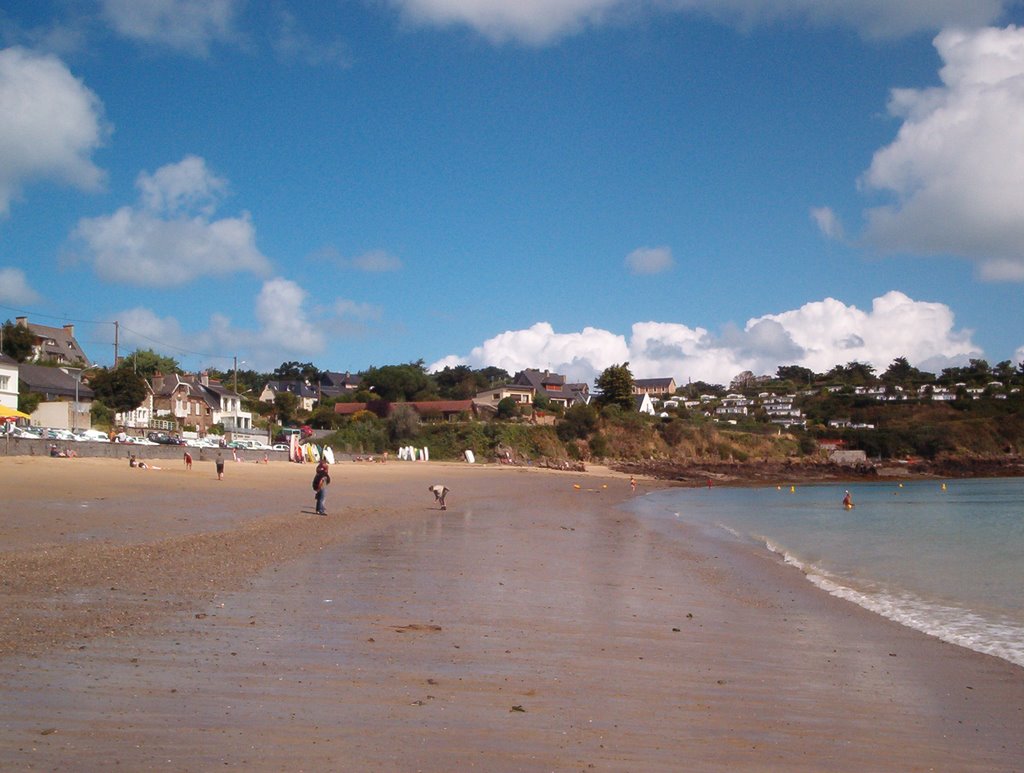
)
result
[(161, 619)]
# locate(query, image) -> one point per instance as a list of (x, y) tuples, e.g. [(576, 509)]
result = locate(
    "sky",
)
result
[(695, 187)]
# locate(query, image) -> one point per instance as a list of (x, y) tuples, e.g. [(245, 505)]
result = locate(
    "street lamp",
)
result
[(78, 380)]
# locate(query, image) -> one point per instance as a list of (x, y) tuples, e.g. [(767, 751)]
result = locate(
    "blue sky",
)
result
[(698, 187)]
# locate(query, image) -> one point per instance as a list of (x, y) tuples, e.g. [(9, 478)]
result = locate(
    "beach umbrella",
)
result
[(12, 414)]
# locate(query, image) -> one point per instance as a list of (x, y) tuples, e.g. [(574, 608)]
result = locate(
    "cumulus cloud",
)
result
[(287, 327), (818, 336), (956, 165), (170, 238), (188, 26), (649, 260), (50, 124), (536, 22), (14, 287), (828, 222)]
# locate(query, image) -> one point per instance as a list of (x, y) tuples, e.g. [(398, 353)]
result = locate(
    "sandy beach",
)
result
[(162, 619)]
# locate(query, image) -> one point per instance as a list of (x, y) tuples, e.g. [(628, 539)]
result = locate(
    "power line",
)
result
[(162, 344)]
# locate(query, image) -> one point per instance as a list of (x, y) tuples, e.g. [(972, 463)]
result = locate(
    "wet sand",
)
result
[(160, 619)]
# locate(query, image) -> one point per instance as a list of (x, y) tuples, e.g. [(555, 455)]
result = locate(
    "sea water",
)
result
[(944, 557)]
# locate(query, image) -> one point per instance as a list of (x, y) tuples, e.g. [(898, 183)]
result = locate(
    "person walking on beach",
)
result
[(220, 466), (188, 460), (321, 480), (632, 483), (440, 491)]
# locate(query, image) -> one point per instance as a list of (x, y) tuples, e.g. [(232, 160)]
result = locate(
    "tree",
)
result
[(306, 371), (400, 382), (508, 408), (798, 375), (403, 423), (286, 404), (902, 373), (616, 386), (146, 363), (741, 381), (18, 341), (852, 374), (121, 389), (458, 383), (27, 401), (580, 420)]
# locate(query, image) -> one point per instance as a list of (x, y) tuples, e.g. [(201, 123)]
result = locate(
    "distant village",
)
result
[(197, 405)]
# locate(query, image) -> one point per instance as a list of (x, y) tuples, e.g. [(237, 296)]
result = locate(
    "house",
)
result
[(66, 400), (449, 410), (489, 399), (553, 386), (305, 393), (654, 386), (181, 400), (226, 406), (55, 344), (644, 404), (200, 402), (8, 381), (337, 384)]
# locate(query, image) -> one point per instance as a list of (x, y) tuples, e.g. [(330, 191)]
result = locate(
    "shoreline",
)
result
[(253, 634)]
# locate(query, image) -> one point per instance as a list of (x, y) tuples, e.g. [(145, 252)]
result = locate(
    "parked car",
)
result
[(92, 434), (279, 447)]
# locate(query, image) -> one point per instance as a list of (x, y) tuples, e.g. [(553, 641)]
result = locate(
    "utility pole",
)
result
[(236, 374), (116, 330)]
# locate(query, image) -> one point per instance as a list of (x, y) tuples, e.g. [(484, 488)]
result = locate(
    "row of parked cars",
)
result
[(150, 439)]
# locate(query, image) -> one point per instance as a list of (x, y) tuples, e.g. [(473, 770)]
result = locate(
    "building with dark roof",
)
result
[(55, 344)]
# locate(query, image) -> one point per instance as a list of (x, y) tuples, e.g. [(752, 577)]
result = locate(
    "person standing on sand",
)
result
[(188, 460), (440, 491), (220, 466), (321, 480), (632, 483)]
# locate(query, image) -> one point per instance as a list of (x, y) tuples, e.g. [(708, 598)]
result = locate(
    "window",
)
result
[(5, 382)]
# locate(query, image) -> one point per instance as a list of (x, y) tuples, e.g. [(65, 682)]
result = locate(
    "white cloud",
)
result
[(818, 336), (376, 261), (50, 124), (536, 22), (284, 323), (572, 354), (189, 26), (649, 260), (354, 310), (956, 165), (1018, 356), (14, 287), (185, 186), (286, 328), (170, 238), (528, 21), (828, 222)]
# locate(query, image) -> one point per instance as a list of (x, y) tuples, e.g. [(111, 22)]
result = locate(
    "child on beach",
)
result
[(220, 466), (188, 461), (440, 491)]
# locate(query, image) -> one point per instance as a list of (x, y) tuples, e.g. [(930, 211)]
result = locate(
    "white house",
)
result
[(8, 382)]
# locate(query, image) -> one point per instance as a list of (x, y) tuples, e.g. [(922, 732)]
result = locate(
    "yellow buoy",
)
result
[(792, 489), (576, 485), (943, 486)]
